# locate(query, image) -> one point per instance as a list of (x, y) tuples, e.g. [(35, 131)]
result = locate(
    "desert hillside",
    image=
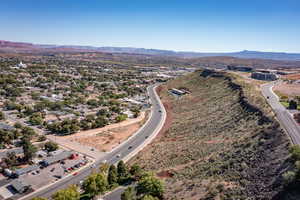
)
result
[(215, 143)]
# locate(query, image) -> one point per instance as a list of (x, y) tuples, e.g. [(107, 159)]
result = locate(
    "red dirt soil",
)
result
[(165, 174), (292, 76)]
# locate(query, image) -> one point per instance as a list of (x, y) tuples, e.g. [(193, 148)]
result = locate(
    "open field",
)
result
[(101, 139), (215, 144), (287, 89), (292, 76), (106, 140)]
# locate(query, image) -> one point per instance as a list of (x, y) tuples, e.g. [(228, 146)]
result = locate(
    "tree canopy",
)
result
[(70, 193)]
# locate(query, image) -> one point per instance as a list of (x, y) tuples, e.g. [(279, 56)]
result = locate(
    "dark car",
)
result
[(58, 176), (129, 147)]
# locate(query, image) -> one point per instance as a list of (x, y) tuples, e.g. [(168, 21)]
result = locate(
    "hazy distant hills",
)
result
[(241, 54), (265, 55), (21, 47)]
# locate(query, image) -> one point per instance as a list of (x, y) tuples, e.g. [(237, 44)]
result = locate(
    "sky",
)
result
[(181, 25)]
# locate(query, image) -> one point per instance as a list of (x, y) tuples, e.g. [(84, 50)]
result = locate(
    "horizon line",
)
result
[(173, 50)]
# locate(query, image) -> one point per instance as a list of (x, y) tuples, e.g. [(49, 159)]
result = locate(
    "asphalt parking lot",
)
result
[(53, 172)]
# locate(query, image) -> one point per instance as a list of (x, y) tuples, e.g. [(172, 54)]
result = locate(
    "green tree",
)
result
[(102, 112), (136, 112), (90, 186), (104, 168), (35, 120), (18, 125), (289, 177), (2, 116), (121, 117), (28, 110), (71, 193), (42, 138), (28, 132), (122, 172), (115, 109), (92, 103), (128, 194), (136, 171), (149, 197), (150, 185), (112, 176), (100, 122), (51, 146), (6, 137), (28, 148), (11, 159), (39, 198), (295, 152), (101, 182), (292, 104)]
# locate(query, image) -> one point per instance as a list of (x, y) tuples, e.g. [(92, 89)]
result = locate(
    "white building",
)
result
[(21, 65)]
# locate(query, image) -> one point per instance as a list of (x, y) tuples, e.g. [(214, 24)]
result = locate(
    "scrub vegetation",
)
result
[(216, 144)]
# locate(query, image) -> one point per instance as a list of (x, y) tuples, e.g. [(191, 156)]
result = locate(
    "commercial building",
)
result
[(20, 186), (264, 76), (25, 170), (239, 68), (56, 158)]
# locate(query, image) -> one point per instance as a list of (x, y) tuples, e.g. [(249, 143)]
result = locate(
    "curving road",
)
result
[(283, 116), (124, 152)]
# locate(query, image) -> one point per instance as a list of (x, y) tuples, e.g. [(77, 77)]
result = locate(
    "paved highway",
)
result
[(124, 152), (284, 117)]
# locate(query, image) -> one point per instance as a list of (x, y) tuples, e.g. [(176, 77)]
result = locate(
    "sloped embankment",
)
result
[(218, 144)]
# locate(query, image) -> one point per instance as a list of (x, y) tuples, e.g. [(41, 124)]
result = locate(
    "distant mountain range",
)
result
[(21, 47)]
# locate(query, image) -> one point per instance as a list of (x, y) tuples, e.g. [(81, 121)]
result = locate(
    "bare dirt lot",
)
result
[(292, 76), (287, 89), (106, 138)]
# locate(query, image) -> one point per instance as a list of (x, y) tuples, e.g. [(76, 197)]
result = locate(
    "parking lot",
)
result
[(52, 173), (44, 175)]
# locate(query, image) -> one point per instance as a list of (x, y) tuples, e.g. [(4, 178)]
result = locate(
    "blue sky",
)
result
[(193, 25)]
